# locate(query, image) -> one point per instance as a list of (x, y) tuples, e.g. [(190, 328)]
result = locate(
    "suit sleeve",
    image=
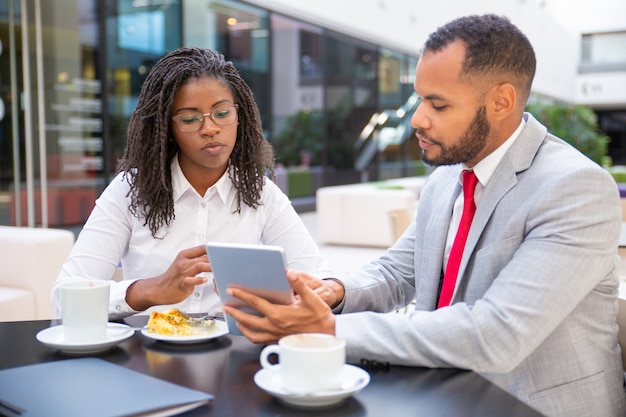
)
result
[(553, 251)]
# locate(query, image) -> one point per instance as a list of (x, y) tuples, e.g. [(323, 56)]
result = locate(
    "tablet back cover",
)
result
[(260, 269)]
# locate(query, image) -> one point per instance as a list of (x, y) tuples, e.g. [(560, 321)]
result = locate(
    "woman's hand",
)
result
[(309, 313), (174, 285)]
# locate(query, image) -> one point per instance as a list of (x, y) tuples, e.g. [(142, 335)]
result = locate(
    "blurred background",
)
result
[(333, 80)]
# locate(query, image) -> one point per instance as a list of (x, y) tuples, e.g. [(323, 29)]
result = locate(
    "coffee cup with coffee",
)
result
[(308, 362)]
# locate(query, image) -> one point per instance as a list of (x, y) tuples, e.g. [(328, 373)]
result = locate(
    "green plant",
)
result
[(302, 133), (300, 183), (340, 146), (619, 176), (576, 124)]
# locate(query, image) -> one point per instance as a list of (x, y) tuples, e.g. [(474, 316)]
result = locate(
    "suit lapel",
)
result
[(518, 158)]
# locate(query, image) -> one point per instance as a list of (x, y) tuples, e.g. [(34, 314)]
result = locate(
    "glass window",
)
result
[(351, 98), (56, 109), (603, 52), (389, 82), (12, 169), (605, 48), (399, 153), (297, 105), (138, 34), (297, 92), (74, 107), (310, 56), (142, 31)]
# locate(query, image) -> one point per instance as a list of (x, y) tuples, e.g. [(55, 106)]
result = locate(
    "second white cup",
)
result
[(85, 311), (308, 362)]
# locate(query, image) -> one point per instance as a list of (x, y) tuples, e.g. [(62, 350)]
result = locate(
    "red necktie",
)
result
[(456, 253)]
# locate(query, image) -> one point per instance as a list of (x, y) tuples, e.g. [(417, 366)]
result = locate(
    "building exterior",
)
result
[(333, 81)]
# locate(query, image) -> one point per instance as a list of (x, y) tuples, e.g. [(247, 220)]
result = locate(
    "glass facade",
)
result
[(51, 135), (135, 34), (71, 72)]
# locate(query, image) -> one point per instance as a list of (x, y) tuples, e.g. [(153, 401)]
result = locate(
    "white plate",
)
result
[(55, 337), (221, 328), (269, 380)]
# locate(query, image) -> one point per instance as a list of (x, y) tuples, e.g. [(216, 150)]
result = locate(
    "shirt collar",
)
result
[(181, 185), (487, 166)]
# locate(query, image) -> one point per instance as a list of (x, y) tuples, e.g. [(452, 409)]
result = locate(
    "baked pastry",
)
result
[(174, 322)]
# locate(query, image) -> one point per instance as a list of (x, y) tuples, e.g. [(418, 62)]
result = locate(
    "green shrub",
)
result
[(619, 176), (303, 132), (575, 124), (300, 183)]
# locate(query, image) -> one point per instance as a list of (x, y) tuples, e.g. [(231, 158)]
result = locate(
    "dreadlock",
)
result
[(150, 146)]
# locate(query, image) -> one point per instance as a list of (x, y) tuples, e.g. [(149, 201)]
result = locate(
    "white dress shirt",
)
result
[(112, 235), (483, 171)]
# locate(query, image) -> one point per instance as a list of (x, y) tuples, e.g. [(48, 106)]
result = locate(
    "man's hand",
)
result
[(309, 313), (174, 285), (329, 290)]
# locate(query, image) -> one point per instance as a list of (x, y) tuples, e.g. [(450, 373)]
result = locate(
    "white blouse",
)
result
[(112, 235)]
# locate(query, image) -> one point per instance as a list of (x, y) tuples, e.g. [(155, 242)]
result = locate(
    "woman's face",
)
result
[(203, 153)]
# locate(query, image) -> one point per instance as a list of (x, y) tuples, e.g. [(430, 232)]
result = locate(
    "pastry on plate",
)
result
[(174, 322)]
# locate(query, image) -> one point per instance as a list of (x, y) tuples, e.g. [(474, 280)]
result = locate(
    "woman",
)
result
[(193, 171)]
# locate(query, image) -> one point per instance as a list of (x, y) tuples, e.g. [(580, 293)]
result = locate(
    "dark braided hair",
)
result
[(150, 146), (495, 50)]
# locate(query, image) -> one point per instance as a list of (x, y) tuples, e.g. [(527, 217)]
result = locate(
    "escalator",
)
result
[(384, 129)]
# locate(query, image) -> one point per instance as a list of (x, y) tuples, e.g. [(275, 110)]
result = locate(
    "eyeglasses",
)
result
[(192, 122)]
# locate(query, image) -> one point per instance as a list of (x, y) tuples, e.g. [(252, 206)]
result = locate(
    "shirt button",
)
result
[(200, 237), (197, 294), (203, 205), (118, 307)]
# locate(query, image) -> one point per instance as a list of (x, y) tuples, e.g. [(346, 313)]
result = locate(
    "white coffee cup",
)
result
[(308, 362), (84, 310)]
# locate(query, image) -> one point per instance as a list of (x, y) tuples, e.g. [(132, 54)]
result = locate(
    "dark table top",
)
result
[(225, 367)]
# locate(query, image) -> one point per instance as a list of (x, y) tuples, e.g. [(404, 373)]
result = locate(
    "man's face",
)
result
[(451, 124), (464, 148)]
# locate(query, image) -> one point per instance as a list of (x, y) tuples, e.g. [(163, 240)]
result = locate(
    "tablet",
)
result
[(260, 269)]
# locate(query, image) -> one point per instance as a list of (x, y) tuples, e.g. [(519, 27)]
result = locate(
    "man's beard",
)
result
[(470, 144)]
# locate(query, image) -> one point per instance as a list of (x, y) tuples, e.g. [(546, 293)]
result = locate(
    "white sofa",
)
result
[(31, 260), (358, 214)]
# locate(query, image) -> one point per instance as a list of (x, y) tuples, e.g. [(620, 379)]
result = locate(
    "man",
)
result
[(534, 303)]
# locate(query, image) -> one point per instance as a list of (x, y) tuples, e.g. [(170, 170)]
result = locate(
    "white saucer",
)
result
[(54, 337), (269, 380), (221, 328)]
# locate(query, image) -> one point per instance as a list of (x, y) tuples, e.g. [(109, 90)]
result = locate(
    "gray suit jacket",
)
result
[(535, 308)]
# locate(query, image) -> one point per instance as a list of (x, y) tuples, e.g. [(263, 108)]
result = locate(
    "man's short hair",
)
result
[(495, 49)]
